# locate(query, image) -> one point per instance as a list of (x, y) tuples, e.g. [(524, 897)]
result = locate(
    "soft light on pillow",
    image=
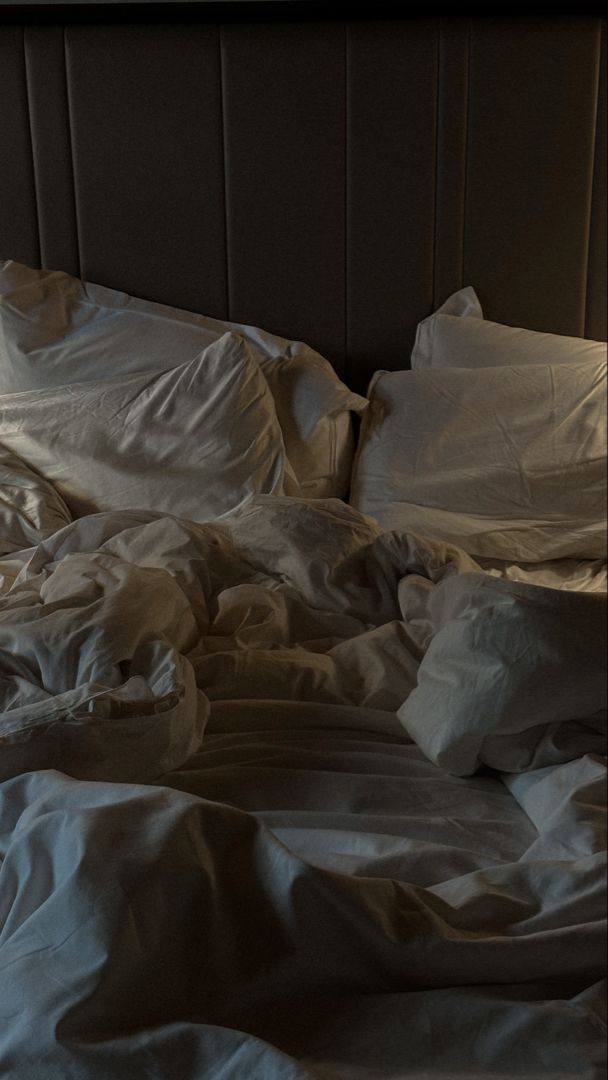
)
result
[(457, 335), (30, 508), (195, 441), (507, 463), (514, 677), (55, 329)]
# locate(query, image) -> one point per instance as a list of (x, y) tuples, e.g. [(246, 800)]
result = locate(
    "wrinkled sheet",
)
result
[(224, 856)]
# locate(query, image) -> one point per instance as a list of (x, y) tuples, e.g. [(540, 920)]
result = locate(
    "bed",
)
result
[(302, 544)]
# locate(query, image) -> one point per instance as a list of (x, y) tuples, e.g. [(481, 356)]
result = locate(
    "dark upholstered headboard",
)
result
[(328, 181)]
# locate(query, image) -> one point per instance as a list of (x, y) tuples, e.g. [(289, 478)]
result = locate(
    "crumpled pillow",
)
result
[(195, 441), (56, 329), (514, 677), (457, 335), (506, 462)]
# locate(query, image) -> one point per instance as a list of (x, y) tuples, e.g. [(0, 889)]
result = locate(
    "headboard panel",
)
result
[(330, 181)]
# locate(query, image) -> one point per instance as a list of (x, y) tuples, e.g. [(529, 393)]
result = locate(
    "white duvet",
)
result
[(285, 796)]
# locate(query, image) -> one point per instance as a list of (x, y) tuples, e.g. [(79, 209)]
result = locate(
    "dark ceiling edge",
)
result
[(278, 11)]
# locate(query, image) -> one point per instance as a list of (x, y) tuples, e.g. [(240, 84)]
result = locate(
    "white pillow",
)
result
[(474, 705), (30, 508), (195, 441), (507, 463), (457, 335), (55, 329)]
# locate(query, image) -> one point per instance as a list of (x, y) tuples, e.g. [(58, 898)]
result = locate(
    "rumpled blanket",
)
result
[(239, 830)]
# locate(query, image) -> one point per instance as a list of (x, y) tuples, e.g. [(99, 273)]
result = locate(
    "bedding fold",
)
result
[(231, 833)]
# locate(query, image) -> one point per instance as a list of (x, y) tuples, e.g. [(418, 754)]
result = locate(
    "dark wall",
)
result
[(332, 182)]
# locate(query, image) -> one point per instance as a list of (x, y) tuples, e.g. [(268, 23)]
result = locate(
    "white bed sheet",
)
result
[(305, 895)]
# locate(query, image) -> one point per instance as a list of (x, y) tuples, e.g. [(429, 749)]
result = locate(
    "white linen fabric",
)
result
[(457, 335), (30, 508), (307, 895), (196, 440), (509, 463), (56, 329), (483, 677), (572, 575)]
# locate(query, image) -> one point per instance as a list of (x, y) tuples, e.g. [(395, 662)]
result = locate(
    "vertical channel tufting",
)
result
[(436, 170), (145, 117), (45, 68), (347, 363), (18, 215), (451, 163), (222, 120), (391, 161), (72, 149), (284, 138), (530, 159), (30, 131), (467, 151), (330, 181), (597, 286)]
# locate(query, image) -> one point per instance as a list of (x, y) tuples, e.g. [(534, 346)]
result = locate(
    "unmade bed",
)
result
[(302, 547)]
